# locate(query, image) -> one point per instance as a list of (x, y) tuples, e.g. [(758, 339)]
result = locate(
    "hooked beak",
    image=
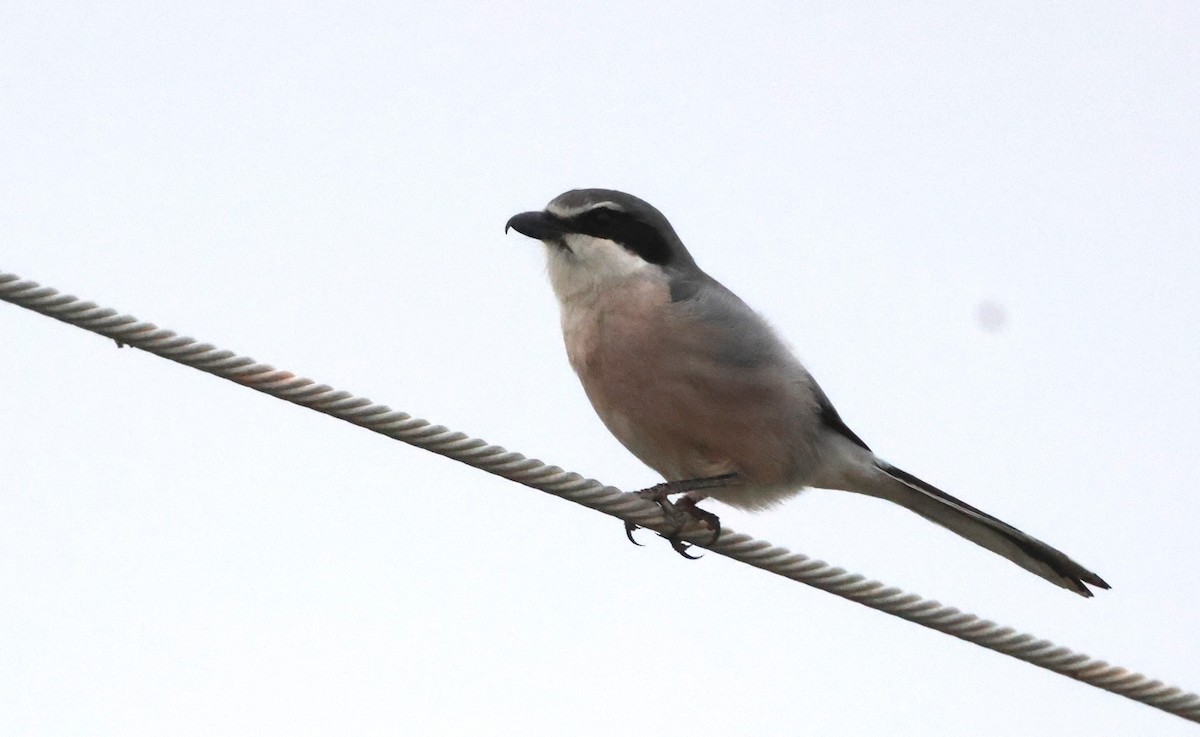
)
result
[(537, 224)]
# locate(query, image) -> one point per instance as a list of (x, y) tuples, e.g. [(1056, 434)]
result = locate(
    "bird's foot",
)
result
[(680, 512), (687, 505), (660, 495)]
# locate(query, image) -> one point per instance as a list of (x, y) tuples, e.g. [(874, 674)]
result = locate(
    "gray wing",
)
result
[(749, 341)]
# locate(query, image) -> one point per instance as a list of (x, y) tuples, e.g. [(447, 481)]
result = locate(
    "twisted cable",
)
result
[(127, 330)]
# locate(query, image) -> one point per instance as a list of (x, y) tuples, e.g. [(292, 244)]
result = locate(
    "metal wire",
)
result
[(531, 472)]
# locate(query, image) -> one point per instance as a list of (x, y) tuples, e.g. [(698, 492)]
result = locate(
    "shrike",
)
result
[(698, 386)]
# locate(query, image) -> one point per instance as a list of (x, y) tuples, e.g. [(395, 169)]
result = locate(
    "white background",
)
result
[(325, 187)]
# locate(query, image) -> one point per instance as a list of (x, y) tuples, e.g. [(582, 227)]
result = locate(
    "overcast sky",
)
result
[(978, 227)]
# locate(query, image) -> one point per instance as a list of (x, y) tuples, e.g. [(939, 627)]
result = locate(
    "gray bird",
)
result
[(698, 386)]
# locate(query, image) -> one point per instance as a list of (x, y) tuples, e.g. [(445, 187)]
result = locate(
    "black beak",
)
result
[(538, 224)]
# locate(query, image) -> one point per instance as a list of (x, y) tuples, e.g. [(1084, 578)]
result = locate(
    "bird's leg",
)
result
[(686, 507)]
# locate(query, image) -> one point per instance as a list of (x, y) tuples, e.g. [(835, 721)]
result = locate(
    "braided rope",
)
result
[(127, 330)]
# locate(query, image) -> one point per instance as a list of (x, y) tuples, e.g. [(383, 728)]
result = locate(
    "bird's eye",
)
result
[(602, 216)]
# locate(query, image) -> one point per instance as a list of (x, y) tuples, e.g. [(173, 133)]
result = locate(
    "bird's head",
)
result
[(597, 238)]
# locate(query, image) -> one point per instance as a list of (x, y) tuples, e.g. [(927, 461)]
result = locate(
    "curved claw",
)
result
[(629, 528), (681, 547)]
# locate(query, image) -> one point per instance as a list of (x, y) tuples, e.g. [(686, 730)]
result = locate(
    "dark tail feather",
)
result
[(983, 529)]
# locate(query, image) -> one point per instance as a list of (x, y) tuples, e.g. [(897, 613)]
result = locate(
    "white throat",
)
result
[(589, 265)]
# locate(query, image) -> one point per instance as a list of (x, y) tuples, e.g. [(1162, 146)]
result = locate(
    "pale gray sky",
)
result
[(977, 226)]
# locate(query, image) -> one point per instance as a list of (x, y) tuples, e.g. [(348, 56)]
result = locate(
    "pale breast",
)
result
[(603, 330), (663, 385)]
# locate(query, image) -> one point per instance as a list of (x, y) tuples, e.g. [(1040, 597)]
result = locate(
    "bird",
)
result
[(700, 388)]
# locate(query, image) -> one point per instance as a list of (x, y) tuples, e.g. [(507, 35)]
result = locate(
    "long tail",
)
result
[(983, 529)]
